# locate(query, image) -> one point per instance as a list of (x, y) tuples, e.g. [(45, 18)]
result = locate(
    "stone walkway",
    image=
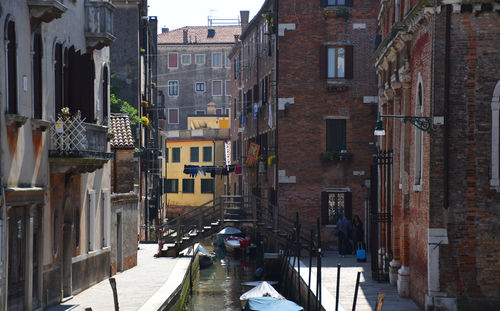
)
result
[(368, 289), (149, 283)]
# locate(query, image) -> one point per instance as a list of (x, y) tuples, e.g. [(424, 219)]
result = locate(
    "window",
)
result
[(200, 59), (335, 134), (217, 88), (172, 186), (37, 76), (218, 111), (227, 112), (336, 62), (195, 154), (200, 86), (233, 151), (236, 67), (495, 139), (207, 185), (105, 95), (173, 116), (235, 103), (337, 2), (228, 87), (172, 60), (334, 205), (228, 62), (166, 155), (11, 68), (58, 79), (176, 155), (186, 59), (199, 112), (188, 185), (216, 59), (418, 137), (173, 88), (207, 154)]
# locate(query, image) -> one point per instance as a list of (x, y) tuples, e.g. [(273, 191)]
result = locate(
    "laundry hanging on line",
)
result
[(195, 170)]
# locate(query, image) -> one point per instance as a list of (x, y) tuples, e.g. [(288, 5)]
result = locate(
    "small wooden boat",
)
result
[(206, 259), (225, 233), (236, 242)]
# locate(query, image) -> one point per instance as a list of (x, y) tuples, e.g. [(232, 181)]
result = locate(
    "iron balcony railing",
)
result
[(72, 137)]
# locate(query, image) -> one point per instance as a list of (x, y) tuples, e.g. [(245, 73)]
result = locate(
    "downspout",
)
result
[(276, 108), (446, 144), (213, 163), (258, 114)]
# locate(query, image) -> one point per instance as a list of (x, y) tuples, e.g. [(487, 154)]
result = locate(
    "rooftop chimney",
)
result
[(211, 33), (211, 108), (185, 36), (244, 15), (164, 30)]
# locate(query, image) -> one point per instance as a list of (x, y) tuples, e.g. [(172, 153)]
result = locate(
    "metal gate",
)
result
[(381, 216)]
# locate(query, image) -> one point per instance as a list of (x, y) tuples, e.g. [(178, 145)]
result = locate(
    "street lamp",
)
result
[(422, 123)]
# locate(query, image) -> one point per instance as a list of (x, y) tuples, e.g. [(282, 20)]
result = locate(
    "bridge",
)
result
[(197, 223)]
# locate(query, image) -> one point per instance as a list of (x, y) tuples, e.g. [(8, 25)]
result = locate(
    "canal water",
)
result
[(218, 287)]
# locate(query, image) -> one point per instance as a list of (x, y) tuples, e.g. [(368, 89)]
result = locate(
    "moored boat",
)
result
[(236, 242), (206, 259)]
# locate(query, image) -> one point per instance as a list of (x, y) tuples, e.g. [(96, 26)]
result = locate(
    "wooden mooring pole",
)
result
[(356, 292), (311, 249), (318, 281), (338, 288)]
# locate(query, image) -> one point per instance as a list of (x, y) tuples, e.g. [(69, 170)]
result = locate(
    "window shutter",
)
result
[(323, 2), (324, 208), (349, 62), (348, 2), (348, 205), (323, 62)]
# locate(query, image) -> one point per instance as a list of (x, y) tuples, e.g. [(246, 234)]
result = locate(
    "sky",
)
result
[(174, 14)]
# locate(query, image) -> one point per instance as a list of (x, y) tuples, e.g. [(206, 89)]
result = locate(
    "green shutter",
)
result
[(207, 154), (195, 154), (335, 134)]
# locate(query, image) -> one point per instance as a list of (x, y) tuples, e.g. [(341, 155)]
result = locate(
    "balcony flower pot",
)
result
[(336, 156)]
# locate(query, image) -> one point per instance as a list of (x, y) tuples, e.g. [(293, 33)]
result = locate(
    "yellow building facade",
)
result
[(202, 145)]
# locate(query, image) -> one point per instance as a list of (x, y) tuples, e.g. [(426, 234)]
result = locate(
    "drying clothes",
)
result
[(230, 168), (201, 170), (191, 170), (237, 169)]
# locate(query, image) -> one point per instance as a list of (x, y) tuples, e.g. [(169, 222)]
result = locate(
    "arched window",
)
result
[(10, 36), (37, 76), (495, 139), (418, 135), (105, 94), (58, 79)]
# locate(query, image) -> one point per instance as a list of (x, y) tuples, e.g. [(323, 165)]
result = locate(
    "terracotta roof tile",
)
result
[(120, 127), (199, 34)]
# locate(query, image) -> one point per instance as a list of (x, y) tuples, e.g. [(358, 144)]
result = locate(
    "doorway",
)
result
[(67, 251), (16, 261)]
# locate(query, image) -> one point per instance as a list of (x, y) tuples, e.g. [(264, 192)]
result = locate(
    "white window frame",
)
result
[(217, 64), (188, 57), (168, 60), (221, 88), (168, 84), (204, 87), (178, 117), (196, 59), (419, 138), (225, 87), (495, 139)]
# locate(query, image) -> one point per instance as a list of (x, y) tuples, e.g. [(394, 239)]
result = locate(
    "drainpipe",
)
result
[(276, 110), (213, 163), (446, 144)]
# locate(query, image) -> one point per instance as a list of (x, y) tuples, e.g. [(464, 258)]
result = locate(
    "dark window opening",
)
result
[(105, 95), (334, 205), (37, 76), (207, 154), (172, 186), (188, 185), (58, 78), (207, 186), (176, 155), (195, 154), (11, 68)]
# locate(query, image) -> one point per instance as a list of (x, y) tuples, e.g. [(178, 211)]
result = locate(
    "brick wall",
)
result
[(302, 125)]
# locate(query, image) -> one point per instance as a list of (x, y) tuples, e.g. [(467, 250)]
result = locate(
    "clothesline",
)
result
[(194, 170)]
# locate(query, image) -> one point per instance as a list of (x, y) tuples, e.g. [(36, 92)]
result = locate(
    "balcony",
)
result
[(46, 10), (98, 23), (76, 146)]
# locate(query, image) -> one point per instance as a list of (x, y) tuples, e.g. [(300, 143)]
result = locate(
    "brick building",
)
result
[(311, 106), (439, 61)]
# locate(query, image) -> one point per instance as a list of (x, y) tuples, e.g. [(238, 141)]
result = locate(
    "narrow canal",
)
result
[(218, 286)]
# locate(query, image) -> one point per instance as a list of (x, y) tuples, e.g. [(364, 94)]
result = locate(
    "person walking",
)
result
[(344, 229), (357, 233)]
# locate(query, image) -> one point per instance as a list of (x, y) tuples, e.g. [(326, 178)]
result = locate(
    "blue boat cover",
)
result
[(272, 304)]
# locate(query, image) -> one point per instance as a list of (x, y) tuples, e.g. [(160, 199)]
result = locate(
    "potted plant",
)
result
[(339, 155)]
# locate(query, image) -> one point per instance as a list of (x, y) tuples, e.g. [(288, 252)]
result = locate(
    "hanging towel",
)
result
[(237, 169)]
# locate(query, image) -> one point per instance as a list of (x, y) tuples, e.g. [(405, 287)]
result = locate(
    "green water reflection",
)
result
[(219, 286)]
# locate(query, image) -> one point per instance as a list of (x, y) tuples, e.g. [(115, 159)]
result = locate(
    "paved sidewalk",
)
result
[(135, 286), (368, 289)]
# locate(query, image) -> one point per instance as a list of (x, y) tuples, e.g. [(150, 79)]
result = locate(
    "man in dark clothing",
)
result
[(344, 229)]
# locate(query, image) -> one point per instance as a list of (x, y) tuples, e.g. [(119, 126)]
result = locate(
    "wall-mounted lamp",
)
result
[(422, 123)]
